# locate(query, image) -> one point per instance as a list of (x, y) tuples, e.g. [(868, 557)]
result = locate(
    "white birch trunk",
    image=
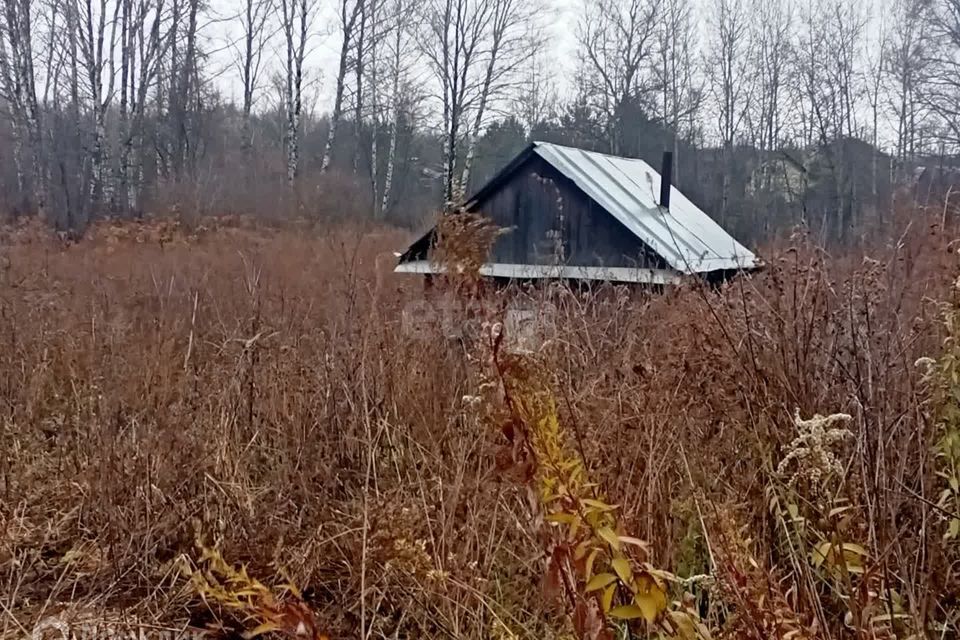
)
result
[(395, 128), (347, 23)]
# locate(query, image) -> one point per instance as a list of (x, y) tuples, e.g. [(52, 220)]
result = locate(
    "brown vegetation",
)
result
[(170, 398)]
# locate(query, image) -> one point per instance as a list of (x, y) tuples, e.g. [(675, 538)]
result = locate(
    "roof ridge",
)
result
[(540, 143)]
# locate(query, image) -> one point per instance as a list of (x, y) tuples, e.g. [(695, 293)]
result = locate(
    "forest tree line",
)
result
[(777, 111)]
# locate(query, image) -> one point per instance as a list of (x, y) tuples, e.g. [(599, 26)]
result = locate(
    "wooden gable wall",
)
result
[(536, 202)]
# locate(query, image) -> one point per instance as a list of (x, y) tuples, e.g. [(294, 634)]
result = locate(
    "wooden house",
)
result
[(582, 215)]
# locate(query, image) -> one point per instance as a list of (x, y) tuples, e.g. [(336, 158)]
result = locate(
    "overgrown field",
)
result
[(229, 427)]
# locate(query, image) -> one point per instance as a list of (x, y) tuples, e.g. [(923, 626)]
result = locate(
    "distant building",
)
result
[(780, 173), (582, 215), (936, 183)]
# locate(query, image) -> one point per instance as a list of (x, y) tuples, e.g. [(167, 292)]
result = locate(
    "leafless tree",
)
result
[(680, 90), (941, 91), (536, 97), (831, 89), (18, 85), (178, 150), (769, 59), (249, 57), (402, 55), (144, 46), (905, 67), (513, 40), (727, 63), (617, 40), (349, 13), (297, 17), (98, 39), (452, 39), (473, 48), (873, 84)]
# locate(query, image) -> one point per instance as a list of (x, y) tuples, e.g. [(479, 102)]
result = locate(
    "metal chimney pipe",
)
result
[(666, 178)]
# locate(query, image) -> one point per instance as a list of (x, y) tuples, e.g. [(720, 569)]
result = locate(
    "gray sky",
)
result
[(559, 21)]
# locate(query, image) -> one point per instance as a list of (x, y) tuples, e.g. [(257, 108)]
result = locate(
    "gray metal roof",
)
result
[(687, 238)]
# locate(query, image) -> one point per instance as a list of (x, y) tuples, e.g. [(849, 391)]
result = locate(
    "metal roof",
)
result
[(686, 237)]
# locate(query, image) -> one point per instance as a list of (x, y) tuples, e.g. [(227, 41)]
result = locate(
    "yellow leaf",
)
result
[(683, 626), (660, 575), (637, 542), (259, 630), (953, 529), (855, 549), (574, 528), (581, 550), (599, 505), (650, 596), (599, 581), (610, 537), (627, 612), (848, 555), (564, 518), (853, 556), (820, 552), (590, 560), (622, 567), (687, 626), (607, 599)]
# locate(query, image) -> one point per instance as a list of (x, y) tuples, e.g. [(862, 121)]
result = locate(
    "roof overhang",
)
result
[(554, 272)]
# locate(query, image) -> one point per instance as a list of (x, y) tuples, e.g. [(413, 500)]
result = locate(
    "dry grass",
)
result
[(255, 387)]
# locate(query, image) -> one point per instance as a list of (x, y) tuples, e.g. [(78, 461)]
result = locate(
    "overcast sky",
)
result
[(559, 21)]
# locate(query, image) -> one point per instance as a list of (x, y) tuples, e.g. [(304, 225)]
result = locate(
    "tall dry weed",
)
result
[(260, 381)]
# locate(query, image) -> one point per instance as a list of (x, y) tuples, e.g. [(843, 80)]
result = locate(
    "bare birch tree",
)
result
[(513, 40), (402, 57), (18, 84), (98, 30), (249, 57), (146, 44), (297, 17), (348, 14), (453, 39)]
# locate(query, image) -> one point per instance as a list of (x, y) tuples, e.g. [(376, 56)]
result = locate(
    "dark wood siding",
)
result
[(538, 204)]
